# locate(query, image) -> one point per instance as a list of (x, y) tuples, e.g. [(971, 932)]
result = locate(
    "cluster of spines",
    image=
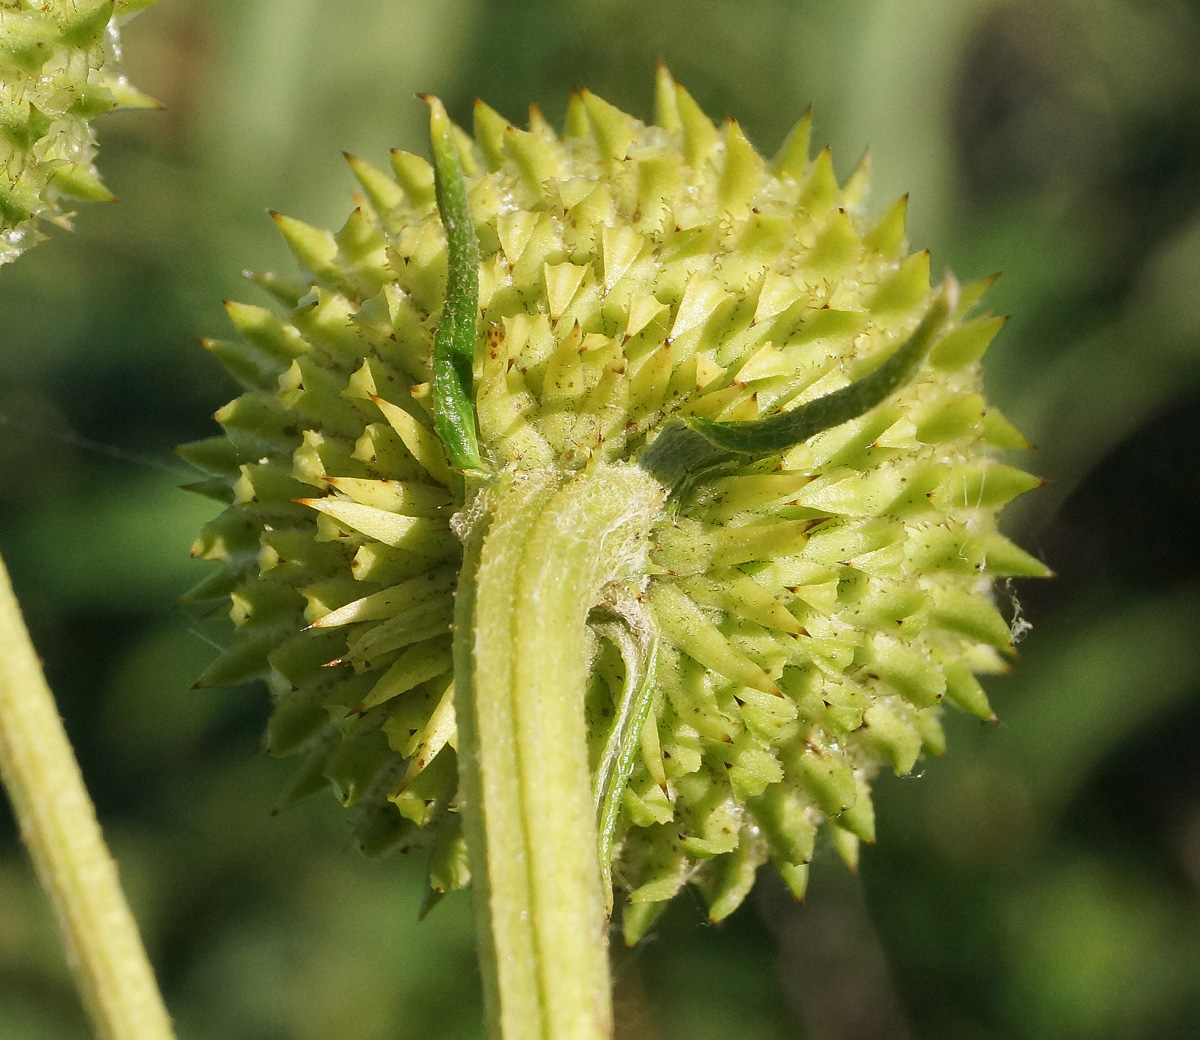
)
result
[(339, 560), (816, 609), (58, 69), (815, 605)]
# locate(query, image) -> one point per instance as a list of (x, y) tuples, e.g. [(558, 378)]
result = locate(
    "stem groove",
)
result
[(532, 571)]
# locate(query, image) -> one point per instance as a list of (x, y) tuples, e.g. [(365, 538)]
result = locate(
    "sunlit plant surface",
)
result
[(1044, 805)]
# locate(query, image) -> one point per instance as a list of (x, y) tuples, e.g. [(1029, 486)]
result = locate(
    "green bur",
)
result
[(768, 428), (59, 67)]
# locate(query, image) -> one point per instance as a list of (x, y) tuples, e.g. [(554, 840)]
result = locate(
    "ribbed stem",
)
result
[(58, 825), (535, 564)]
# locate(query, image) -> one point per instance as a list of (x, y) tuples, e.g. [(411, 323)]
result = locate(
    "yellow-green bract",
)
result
[(798, 612), (59, 67)]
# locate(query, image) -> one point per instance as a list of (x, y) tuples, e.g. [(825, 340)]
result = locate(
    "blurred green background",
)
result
[(1041, 882)]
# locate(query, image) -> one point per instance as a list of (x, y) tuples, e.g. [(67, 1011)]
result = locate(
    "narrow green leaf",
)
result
[(454, 344), (693, 445), (639, 651), (782, 431)]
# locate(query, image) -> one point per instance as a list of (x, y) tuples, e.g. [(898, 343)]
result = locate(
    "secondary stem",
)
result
[(58, 825), (534, 566)]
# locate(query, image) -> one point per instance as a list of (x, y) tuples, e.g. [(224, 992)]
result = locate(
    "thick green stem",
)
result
[(58, 824), (544, 547)]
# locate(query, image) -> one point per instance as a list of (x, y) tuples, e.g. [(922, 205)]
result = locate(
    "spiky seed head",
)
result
[(816, 604), (59, 67)]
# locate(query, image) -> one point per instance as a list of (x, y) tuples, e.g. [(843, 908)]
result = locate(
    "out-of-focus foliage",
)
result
[(1043, 882)]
